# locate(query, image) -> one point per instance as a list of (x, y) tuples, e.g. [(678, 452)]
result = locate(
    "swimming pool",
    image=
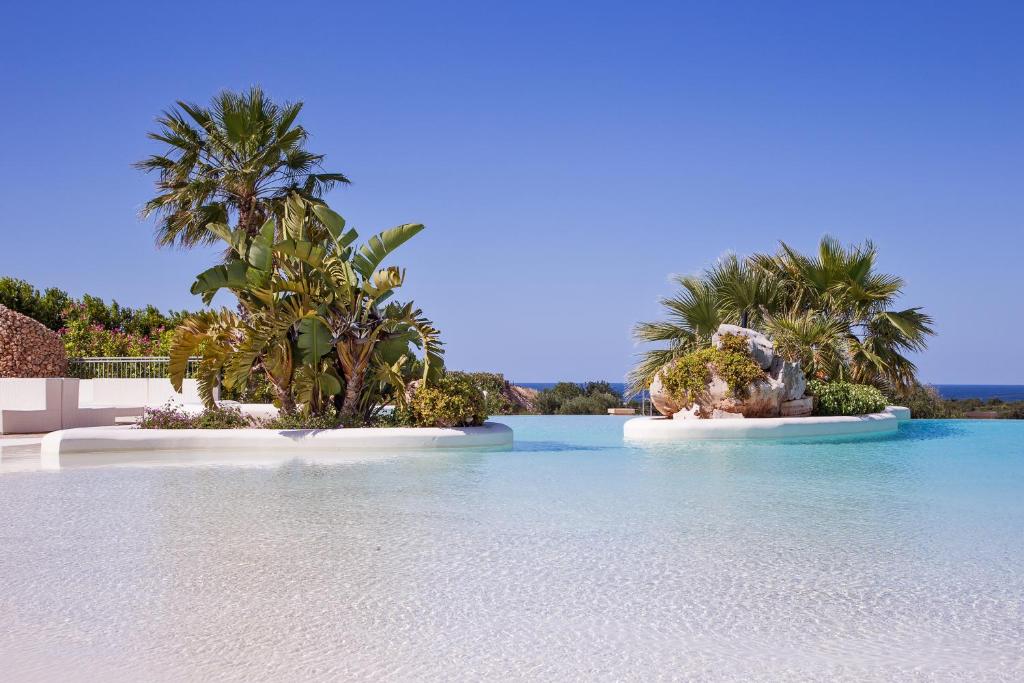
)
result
[(568, 557)]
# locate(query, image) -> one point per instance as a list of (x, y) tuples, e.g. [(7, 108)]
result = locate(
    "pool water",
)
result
[(570, 557)]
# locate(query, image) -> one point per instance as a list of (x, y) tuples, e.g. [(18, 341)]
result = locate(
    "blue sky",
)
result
[(565, 157)]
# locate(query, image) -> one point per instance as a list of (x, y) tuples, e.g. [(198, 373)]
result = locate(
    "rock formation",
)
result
[(28, 348), (780, 394)]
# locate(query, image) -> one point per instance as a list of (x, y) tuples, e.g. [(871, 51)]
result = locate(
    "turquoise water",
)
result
[(569, 557)]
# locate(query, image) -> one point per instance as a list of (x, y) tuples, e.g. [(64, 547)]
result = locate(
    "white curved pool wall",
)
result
[(30, 405), (298, 441), (662, 429)]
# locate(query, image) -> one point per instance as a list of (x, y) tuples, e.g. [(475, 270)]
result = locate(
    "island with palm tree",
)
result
[(783, 335)]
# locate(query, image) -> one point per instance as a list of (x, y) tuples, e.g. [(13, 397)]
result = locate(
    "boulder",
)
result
[(28, 348), (665, 404), (791, 375), (780, 393), (799, 407), (761, 347)]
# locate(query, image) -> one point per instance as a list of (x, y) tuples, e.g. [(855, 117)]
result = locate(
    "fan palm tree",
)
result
[(694, 313), (745, 293), (231, 162), (832, 311), (840, 285)]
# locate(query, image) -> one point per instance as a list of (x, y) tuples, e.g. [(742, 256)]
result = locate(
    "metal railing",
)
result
[(113, 367)]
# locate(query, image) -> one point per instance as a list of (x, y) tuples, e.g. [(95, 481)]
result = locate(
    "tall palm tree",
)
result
[(232, 162)]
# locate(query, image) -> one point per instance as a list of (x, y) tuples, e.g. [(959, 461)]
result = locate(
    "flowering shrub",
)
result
[(172, 417), (83, 336), (844, 398)]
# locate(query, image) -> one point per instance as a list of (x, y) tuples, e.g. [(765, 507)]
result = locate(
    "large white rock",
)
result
[(799, 407), (784, 383), (761, 347), (662, 400)]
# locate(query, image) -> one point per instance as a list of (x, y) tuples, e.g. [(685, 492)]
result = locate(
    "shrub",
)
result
[(172, 417), (326, 420), (925, 403), (734, 343), (493, 385), (167, 417), (844, 398), (451, 401), (226, 417), (569, 398), (592, 404), (687, 378)]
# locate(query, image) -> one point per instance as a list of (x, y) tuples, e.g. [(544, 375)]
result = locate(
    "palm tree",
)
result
[(841, 287), (745, 293), (234, 161), (694, 313), (831, 311)]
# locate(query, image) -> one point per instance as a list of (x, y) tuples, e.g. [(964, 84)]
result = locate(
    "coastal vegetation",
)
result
[(831, 311), (844, 398), (569, 398)]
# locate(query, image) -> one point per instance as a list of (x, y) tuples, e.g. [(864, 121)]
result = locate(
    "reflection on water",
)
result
[(569, 557)]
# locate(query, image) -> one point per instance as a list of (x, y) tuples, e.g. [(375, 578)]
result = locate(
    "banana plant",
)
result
[(315, 314)]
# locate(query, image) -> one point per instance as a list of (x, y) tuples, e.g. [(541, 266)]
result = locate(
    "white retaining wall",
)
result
[(98, 440), (661, 429), (36, 405)]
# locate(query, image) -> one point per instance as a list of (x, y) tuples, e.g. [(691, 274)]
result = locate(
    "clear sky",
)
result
[(565, 157)]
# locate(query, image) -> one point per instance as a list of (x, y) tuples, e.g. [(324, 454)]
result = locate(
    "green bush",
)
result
[(687, 378), (844, 398), (222, 418), (451, 401), (925, 403), (569, 398), (592, 404), (492, 384), (326, 420)]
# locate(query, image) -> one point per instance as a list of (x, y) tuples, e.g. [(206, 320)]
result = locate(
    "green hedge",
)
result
[(454, 400), (844, 398)]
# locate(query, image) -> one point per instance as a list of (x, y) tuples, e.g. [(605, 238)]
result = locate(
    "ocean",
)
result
[(1005, 392)]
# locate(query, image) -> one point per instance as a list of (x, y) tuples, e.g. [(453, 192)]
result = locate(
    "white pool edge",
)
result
[(120, 439), (662, 429)]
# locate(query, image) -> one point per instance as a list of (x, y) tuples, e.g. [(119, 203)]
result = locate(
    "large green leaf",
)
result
[(231, 276), (314, 340), (260, 253), (335, 225), (303, 250), (377, 248)]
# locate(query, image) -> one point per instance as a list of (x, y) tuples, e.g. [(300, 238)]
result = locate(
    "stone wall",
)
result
[(28, 348)]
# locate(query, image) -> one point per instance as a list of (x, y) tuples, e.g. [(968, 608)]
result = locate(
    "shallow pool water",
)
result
[(568, 557)]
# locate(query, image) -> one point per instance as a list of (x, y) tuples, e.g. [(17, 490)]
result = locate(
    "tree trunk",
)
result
[(350, 405), (286, 399)]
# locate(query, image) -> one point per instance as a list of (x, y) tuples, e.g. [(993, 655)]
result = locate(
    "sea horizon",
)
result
[(984, 392)]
